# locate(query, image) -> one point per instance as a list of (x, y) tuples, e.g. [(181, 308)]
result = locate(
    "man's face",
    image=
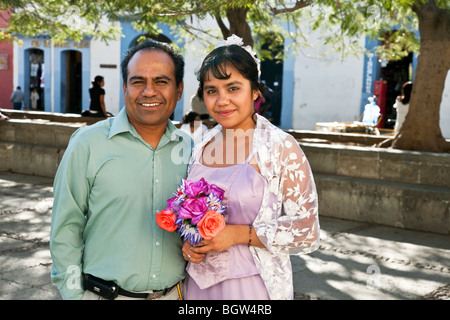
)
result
[(151, 92)]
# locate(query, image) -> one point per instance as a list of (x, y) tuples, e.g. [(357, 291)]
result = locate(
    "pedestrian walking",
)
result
[(17, 98)]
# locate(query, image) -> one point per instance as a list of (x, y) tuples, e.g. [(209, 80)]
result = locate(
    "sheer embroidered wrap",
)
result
[(287, 222)]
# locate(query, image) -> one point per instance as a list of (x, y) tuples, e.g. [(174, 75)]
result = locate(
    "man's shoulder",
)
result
[(98, 130)]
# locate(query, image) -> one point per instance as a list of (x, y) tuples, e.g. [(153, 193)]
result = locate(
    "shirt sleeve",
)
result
[(295, 227), (70, 190)]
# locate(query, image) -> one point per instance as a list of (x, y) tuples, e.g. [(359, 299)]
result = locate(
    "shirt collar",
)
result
[(121, 124)]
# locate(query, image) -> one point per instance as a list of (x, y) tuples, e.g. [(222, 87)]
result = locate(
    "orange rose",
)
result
[(211, 224), (166, 220)]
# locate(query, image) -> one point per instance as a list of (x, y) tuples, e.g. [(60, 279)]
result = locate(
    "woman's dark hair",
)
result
[(216, 62), (97, 80), (190, 117), (149, 45), (406, 92)]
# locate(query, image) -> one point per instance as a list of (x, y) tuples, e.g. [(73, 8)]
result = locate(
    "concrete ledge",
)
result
[(38, 132), (30, 159), (357, 182), (49, 116), (421, 168), (401, 205)]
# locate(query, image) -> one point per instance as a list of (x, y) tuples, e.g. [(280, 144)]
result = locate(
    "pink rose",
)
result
[(193, 209), (217, 191), (194, 189), (211, 224), (166, 220)]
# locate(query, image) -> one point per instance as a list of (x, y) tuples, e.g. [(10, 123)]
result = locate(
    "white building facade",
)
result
[(307, 89)]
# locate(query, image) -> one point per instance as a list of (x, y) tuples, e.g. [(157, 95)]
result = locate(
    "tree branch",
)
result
[(223, 28), (298, 5)]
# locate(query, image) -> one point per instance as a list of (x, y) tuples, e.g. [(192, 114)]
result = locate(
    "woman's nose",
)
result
[(223, 99)]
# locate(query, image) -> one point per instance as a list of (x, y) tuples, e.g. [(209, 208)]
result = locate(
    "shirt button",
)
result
[(156, 180), (157, 244), (154, 276)]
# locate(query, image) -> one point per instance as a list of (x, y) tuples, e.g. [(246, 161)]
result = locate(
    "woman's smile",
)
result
[(225, 113)]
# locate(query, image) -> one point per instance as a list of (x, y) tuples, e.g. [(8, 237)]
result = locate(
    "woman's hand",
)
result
[(190, 255), (231, 235)]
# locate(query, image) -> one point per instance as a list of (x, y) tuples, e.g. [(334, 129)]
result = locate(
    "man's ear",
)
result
[(180, 90)]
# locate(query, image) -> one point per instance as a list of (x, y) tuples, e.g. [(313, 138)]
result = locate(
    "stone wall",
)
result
[(355, 181), (397, 188)]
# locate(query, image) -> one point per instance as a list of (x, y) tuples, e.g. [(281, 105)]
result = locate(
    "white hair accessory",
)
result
[(234, 39)]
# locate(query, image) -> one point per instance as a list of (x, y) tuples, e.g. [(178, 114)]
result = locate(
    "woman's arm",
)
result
[(102, 104), (230, 236)]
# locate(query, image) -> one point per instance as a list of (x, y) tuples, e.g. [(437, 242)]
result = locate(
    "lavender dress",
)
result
[(230, 274)]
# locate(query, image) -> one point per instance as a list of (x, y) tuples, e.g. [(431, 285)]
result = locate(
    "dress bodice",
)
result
[(244, 188)]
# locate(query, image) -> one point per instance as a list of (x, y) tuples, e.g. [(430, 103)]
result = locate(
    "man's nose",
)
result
[(149, 90)]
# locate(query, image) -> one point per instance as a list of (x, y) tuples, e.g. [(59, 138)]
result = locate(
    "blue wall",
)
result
[(58, 71)]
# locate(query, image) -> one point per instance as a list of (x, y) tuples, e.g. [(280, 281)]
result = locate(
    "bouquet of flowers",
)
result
[(195, 211)]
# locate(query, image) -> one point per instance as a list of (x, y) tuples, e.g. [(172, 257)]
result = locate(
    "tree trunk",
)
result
[(421, 130), (237, 18)]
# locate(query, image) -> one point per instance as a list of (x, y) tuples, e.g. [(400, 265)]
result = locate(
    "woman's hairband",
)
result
[(234, 39)]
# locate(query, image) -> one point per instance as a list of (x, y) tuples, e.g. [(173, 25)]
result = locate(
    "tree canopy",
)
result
[(402, 26)]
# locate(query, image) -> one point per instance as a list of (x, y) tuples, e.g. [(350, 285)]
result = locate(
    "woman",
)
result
[(402, 105), (97, 93), (193, 125), (269, 189)]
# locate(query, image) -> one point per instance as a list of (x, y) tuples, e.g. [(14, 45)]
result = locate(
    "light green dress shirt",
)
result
[(107, 190)]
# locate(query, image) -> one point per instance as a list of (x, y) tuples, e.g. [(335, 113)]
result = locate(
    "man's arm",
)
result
[(70, 190)]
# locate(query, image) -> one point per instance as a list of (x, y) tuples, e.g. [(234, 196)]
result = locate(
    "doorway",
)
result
[(395, 74), (71, 84), (34, 82), (272, 77)]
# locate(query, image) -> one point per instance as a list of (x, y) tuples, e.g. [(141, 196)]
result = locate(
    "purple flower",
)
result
[(188, 232), (216, 190), (195, 188), (193, 209), (173, 204), (215, 203)]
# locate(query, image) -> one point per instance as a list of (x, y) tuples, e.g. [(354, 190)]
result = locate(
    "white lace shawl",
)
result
[(288, 221)]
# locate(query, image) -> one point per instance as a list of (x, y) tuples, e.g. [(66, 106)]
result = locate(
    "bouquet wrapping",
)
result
[(195, 212)]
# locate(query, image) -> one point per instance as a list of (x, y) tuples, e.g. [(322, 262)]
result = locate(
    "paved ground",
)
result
[(356, 261)]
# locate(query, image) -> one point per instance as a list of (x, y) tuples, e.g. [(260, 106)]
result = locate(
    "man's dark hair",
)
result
[(149, 45)]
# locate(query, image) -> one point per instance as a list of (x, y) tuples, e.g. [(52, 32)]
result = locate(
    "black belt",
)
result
[(152, 296), (110, 290)]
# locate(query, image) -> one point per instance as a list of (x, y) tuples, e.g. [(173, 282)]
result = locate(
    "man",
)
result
[(114, 177), (17, 98)]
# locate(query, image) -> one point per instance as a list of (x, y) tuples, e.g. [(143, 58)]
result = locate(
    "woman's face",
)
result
[(230, 101)]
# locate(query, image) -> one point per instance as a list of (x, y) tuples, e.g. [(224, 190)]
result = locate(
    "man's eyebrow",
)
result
[(161, 77), (136, 78)]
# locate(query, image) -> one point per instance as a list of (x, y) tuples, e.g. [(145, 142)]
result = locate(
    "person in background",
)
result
[(197, 105), (193, 125), (17, 98), (34, 97), (401, 105), (97, 106)]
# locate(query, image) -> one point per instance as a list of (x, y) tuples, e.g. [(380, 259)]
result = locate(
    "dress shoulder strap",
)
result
[(250, 155)]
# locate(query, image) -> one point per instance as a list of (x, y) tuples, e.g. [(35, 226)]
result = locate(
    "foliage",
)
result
[(269, 21)]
